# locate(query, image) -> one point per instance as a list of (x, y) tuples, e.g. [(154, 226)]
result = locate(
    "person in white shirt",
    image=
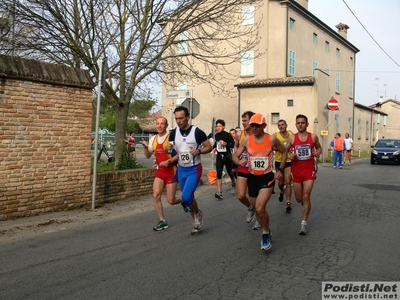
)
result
[(348, 143)]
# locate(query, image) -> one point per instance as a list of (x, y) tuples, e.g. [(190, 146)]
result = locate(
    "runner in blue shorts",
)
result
[(189, 142)]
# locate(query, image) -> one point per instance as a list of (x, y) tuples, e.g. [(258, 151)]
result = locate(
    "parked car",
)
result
[(386, 151)]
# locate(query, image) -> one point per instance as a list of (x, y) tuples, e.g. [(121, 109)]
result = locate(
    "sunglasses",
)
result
[(256, 125)]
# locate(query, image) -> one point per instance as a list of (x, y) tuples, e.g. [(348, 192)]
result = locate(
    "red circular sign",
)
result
[(333, 104)]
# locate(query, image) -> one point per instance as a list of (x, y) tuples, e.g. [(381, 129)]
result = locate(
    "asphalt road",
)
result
[(353, 236)]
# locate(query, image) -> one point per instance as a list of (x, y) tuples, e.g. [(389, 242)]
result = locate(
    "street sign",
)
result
[(173, 94), (333, 104), (193, 106), (324, 132)]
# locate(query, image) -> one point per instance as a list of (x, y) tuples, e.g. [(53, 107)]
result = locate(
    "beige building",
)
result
[(391, 108), (300, 64)]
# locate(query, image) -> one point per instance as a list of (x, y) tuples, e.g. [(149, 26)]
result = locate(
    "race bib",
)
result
[(220, 147), (185, 157), (259, 163), (303, 152)]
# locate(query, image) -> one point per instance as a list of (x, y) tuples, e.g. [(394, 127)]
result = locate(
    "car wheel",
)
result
[(372, 161)]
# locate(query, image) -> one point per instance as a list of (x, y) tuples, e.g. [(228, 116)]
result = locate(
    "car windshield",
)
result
[(388, 144)]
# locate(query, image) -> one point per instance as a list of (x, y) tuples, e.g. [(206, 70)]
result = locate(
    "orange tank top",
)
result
[(260, 155)]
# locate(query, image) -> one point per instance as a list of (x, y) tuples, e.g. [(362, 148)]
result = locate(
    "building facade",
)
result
[(299, 65)]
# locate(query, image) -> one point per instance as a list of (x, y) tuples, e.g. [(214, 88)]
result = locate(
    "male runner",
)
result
[(189, 142), (260, 179), (234, 166), (166, 173), (304, 148), (223, 144), (284, 182), (241, 181)]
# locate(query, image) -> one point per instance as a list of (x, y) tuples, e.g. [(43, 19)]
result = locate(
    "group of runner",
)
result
[(181, 149)]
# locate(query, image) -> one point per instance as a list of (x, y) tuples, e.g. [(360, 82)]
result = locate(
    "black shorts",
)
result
[(257, 182), (278, 164), (245, 175)]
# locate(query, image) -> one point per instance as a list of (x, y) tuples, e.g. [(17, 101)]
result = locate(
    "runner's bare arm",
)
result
[(318, 147), (238, 152)]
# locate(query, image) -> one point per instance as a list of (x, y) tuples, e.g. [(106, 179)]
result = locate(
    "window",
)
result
[(351, 89), (337, 83), (275, 118), (359, 129), (314, 67), (378, 118), (183, 45), (384, 120), (350, 125), (247, 68), (315, 38), (337, 123), (292, 24), (373, 131), (290, 103), (248, 15), (337, 52), (367, 130), (181, 86), (351, 62), (292, 63), (327, 71), (327, 48)]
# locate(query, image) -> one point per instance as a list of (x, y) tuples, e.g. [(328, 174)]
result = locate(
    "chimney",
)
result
[(342, 29)]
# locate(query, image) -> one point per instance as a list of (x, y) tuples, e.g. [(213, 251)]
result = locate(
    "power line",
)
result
[(370, 34)]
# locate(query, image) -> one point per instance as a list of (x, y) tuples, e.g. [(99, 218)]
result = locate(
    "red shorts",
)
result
[(168, 175), (300, 176)]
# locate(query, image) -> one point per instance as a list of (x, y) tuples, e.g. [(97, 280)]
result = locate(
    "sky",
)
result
[(381, 18)]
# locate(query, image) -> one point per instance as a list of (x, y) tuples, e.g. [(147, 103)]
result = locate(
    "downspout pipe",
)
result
[(238, 122)]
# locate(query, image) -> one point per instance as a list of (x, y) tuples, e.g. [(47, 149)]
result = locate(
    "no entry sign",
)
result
[(333, 104)]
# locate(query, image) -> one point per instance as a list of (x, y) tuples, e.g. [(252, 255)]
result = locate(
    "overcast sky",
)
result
[(381, 18)]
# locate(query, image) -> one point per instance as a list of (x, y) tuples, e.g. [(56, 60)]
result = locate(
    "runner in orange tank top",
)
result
[(305, 147), (260, 179)]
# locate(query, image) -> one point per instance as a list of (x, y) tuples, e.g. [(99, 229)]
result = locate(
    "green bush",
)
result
[(127, 161)]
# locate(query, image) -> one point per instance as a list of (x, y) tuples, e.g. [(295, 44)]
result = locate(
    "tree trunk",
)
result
[(121, 112)]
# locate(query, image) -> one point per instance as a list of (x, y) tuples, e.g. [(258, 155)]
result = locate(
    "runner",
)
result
[(241, 181), (260, 179), (189, 142), (234, 166), (284, 182), (303, 146), (166, 173), (223, 144)]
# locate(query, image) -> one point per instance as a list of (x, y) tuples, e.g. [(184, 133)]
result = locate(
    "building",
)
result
[(389, 107), (299, 65)]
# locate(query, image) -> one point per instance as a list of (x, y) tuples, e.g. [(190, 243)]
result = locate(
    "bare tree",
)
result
[(141, 39)]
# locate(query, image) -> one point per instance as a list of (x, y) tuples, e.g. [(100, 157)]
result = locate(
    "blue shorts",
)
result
[(189, 178)]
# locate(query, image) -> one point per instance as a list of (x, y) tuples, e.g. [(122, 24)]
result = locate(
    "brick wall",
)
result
[(131, 184), (45, 142)]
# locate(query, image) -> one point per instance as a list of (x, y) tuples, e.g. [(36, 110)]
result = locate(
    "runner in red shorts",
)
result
[(303, 148), (166, 173)]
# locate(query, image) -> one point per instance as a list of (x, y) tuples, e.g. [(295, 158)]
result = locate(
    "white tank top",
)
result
[(183, 145)]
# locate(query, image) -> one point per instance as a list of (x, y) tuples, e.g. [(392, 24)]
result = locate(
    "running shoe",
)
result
[(185, 207), (233, 188), (161, 226), (218, 195), (198, 220), (266, 241), (303, 229), (280, 197), (250, 215), (256, 225), (340, 167), (288, 207)]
